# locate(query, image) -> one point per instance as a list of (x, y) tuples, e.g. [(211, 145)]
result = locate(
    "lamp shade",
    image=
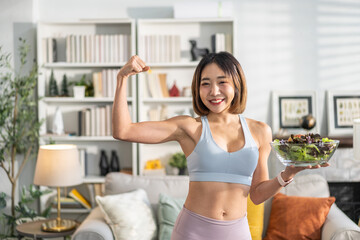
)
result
[(58, 165)]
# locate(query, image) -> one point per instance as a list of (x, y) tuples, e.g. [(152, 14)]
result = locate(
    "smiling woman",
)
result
[(226, 152)]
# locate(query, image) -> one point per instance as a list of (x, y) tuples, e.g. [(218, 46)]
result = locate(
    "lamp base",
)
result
[(53, 226)]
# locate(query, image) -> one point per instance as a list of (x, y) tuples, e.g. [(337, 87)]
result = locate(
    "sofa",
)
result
[(336, 226)]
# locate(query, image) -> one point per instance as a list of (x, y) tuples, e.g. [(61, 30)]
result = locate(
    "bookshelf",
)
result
[(174, 61), (85, 47), (165, 47)]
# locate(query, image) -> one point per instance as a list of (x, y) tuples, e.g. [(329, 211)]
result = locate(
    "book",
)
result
[(78, 48), (163, 85), (68, 48), (108, 120), (73, 48), (87, 122), (79, 198), (80, 123), (82, 159), (44, 50), (93, 121), (66, 202)]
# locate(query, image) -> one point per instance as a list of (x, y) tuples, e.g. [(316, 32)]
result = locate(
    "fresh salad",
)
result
[(305, 148)]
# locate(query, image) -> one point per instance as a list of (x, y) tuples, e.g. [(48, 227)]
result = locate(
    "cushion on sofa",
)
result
[(168, 210), (255, 215), (297, 217), (129, 215)]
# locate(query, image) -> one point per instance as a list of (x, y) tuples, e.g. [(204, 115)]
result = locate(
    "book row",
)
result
[(221, 42), (95, 121), (105, 83), (160, 48), (87, 49), (156, 85)]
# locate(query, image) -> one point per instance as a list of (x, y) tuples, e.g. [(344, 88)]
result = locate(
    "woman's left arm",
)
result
[(261, 187)]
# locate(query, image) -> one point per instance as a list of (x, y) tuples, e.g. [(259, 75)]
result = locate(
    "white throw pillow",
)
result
[(129, 215)]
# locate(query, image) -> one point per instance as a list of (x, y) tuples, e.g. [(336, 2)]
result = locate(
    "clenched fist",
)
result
[(133, 66)]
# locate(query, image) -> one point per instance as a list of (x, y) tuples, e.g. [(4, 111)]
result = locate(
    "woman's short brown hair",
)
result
[(231, 67)]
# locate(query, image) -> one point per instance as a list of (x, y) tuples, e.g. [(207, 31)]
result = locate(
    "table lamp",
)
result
[(58, 166)]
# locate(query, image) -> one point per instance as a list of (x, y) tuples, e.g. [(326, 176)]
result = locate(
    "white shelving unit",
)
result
[(127, 152), (180, 71)]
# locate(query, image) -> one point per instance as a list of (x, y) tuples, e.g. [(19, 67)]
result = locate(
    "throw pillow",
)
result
[(168, 210), (294, 217), (129, 215), (255, 215)]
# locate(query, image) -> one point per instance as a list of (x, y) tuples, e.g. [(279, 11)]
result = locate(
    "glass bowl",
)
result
[(304, 154)]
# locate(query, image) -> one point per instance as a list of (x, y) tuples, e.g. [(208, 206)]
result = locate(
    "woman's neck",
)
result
[(222, 118)]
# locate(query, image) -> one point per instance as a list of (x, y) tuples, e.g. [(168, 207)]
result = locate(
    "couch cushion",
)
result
[(309, 185), (169, 209), (174, 186), (297, 217), (255, 215), (129, 215)]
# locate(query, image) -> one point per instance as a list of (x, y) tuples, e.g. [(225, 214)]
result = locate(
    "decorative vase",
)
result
[(104, 164), (114, 163), (174, 91), (58, 123), (182, 171)]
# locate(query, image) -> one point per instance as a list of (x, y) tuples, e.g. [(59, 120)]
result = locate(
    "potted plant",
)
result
[(18, 123), (83, 88), (178, 160)]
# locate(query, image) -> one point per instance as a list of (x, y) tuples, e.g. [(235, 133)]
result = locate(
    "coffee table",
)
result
[(33, 230)]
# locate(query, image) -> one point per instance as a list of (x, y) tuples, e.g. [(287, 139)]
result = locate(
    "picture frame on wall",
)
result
[(343, 106), (289, 107)]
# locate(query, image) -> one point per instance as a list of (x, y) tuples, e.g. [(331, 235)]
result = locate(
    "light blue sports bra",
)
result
[(209, 162)]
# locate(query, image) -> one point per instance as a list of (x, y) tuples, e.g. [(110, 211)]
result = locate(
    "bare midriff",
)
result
[(218, 200)]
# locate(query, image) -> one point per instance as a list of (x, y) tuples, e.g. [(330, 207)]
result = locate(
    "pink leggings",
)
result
[(192, 226)]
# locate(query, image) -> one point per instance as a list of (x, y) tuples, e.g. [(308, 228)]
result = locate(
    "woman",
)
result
[(226, 152)]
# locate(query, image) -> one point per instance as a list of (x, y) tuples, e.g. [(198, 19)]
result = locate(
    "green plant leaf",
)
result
[(2, 200)]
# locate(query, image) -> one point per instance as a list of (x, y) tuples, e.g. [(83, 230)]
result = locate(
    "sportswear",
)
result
[(209, 162)]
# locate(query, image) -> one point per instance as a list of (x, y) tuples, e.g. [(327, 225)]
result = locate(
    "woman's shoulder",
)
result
[(258, 127)]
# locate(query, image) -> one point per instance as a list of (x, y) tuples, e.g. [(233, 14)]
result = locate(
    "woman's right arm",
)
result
[(142, 132)]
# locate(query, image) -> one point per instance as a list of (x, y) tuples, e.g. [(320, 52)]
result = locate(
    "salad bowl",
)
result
[(304, 150)]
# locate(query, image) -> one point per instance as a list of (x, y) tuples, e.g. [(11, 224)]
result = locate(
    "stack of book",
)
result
[(160, 48), (105, 83), (95, 121), (87, 48), (73, 200), (156, 86), (221, 42)]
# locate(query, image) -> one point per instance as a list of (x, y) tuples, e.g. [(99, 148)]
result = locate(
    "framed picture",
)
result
[(289, 107), (343, 107)]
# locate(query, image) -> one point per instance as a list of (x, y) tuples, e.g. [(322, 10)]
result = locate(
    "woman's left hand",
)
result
[(291, 171)]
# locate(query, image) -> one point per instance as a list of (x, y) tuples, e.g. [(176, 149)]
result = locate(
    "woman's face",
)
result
[(216, 89)]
